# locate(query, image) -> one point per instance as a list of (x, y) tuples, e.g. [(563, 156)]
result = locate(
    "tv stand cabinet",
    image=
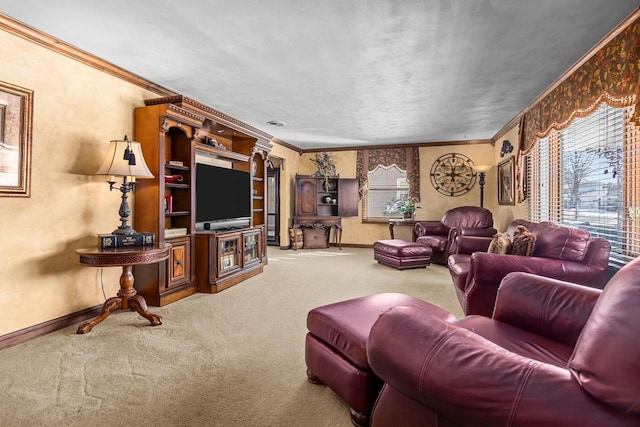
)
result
[(172, 131), (227, 257)]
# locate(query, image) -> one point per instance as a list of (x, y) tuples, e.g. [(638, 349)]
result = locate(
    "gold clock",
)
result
[(452, 174)]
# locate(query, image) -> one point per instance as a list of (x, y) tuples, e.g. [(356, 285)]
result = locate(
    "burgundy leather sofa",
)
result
[(553, 354), (560, 252), (460, 221)]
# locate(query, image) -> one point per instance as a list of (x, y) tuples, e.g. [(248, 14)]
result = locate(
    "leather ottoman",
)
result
[(402, 254), (336, 347)]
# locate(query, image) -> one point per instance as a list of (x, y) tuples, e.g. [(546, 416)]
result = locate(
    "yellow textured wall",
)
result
[(77, 111), (504, 214), (433, 204)]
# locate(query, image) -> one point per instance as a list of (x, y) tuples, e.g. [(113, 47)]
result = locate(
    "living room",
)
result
[(80, 103)]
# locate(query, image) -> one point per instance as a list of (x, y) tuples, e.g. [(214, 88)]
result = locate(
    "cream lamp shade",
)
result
[(482, 168), (124, 158)]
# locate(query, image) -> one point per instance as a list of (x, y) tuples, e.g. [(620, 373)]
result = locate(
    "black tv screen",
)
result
[(222, 193)]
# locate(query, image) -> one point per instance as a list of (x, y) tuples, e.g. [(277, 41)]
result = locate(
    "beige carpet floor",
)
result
[(235, 358)]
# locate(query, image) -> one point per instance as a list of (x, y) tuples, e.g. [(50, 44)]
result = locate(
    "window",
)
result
[(386, 175), (384, 186), (585, 176)]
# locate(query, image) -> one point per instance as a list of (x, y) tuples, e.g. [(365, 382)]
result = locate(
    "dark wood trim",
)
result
[(286, 145), (414, 144), (216, 116), (506, 128), (44, 328), (19, 29)]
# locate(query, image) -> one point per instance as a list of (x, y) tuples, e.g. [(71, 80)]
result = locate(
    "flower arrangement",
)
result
[(406, 206), (326, 168)]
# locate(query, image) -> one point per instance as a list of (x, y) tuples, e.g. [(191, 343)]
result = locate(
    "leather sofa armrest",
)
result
[(471, 244), (456, 233), (471, 381), (430, 228), (548, 307)]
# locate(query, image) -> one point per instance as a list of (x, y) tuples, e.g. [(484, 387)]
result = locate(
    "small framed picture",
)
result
[(16, 110), (506, 179)]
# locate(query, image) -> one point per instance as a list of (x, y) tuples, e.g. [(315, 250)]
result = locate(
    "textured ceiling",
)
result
[(341, 73)]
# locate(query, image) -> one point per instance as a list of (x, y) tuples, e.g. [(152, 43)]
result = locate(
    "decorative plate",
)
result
[(452, 174)]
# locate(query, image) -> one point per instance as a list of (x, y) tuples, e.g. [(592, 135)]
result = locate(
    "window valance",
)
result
[(405, 158), (611, 76)]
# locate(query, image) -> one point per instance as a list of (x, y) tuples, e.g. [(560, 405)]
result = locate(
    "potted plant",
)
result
[(407, 207), (326, 168)]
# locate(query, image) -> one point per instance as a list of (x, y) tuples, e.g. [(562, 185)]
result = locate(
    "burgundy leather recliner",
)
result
[(553, 354), (560, 252), (460, 221)]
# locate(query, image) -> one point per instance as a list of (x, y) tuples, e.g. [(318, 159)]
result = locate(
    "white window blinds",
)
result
[(586, 176), (384, 185)]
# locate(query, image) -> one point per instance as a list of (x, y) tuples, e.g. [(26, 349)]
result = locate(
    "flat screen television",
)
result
[(223, 197)]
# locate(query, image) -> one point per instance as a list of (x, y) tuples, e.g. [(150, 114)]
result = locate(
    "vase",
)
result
[(408, 215), (329, 184)]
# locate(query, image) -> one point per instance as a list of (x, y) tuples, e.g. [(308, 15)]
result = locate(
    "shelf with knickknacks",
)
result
[(325, 197)]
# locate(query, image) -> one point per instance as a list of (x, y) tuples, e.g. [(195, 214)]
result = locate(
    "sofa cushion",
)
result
[(500, 244), (559, 242), (606, 358), (523, 241)]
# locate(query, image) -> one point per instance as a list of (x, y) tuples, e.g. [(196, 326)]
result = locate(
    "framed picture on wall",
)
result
[(16, 107), (506, 180)]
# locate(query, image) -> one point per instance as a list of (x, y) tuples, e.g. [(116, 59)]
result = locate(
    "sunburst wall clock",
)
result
[(452, 174)]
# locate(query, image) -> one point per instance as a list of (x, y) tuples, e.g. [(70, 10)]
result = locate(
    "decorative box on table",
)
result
[(121, 240)]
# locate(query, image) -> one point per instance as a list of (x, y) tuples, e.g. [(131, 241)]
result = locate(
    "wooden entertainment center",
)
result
[(173, 131)]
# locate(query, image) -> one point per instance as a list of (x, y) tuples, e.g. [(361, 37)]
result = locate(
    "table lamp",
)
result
[(482, 171), (124, 158)]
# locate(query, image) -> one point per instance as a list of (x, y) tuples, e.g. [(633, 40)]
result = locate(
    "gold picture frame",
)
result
[(16, 113), (506, 180)]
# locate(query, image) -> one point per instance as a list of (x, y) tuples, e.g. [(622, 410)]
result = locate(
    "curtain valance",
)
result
[(611, 76), (405, 158)]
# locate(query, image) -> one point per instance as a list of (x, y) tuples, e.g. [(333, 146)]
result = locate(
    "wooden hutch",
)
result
[(325, 201), (173, 131)]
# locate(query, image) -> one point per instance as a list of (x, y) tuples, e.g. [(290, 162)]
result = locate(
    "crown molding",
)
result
[(414, 144), (21, 30), (630, 19)]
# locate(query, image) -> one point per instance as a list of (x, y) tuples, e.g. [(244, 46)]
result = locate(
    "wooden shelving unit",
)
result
[(172, 130)]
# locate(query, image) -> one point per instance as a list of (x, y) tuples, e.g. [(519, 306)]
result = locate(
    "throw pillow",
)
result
[(523, 241), (501, 244)]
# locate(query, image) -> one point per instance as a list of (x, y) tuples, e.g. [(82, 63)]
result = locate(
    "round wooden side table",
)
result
[(127, 296)]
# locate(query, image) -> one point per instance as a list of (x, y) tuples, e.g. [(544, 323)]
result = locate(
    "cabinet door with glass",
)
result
[(252, 246), (228, 248)]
